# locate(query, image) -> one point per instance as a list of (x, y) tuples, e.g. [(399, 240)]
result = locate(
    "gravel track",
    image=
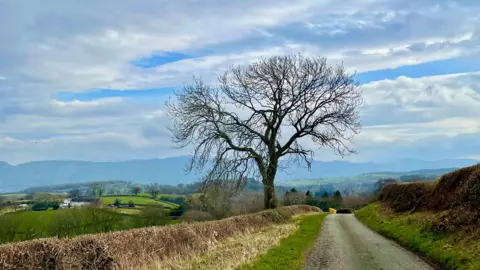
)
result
[(345, 243)]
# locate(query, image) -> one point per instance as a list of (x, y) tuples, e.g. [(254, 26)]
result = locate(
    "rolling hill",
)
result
[(171, 171)]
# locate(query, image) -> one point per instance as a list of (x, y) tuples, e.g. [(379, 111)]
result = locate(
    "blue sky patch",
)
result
[(160, 59), (108, 93), (442, 67)]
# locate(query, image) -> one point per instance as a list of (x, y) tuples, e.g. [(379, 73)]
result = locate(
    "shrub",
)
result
[(197, 215), (218, 200), (152, 216), (293, 197), (177, 211), (381, 184), (40, 206), (325, 203), (322, 204), (177, 199), (458, 188), (356, 202), (456, 193), (55, 206), (407, 196), (131, 204), (248, 202), (117, 203)]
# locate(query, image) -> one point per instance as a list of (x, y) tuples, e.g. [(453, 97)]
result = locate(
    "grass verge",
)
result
[(457, 250), (291, 252)]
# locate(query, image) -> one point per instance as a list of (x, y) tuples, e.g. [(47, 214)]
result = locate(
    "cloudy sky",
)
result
[(86, 80)]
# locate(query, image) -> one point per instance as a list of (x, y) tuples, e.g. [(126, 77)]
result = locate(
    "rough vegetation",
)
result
[(407, 197), (459, 188), (456, 193), (235, 251), (137, 247)]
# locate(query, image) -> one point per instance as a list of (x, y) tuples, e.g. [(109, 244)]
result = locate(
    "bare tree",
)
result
[(135, 190), (74, 193), (264, 112), (153, 189), (98, 188), (218, 200)]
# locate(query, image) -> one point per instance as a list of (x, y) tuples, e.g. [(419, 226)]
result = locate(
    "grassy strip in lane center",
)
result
[(291, 252)]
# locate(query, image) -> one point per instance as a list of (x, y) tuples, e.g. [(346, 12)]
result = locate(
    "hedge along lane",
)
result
[(132, 249), (291, 252)]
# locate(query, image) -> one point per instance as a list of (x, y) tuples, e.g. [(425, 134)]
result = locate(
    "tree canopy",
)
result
[(282, 107)]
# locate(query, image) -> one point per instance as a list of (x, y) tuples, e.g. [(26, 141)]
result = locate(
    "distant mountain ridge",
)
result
[(171, 171), (321, 169)]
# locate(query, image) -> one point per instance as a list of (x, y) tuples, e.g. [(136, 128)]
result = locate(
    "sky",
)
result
[(87, 80)]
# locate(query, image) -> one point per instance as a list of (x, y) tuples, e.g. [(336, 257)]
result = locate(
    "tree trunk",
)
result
[(270, 201), (269, 196)]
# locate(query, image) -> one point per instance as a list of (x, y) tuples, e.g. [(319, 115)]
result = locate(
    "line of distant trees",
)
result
[(105, 188), (324, 202), (100, 189)]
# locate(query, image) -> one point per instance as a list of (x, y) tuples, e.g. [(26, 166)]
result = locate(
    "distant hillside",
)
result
[(369, 177), (40, 173), (171, 171), (331, 169)]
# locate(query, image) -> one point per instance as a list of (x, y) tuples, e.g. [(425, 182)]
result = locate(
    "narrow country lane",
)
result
[(346, 244)]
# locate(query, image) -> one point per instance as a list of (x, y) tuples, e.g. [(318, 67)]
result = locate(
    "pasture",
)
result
[(138, 200), (68, 222)]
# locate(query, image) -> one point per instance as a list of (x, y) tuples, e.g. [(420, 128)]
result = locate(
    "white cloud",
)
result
[(423, 99), (69, 46), (139, 131), (76, 47)]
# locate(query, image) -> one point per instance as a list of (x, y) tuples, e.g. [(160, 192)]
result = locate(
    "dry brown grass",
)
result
[(407, 196), (232, 252), (455, 196), (138, 247), (196, 215), (460, 188)]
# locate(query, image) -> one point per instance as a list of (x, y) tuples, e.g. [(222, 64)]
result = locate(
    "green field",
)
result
[(144, 194), (41, 196), (26, 225), (6, 210), (137, 200), (15, 196), (37, 219), (291, 252), (129, 211)]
